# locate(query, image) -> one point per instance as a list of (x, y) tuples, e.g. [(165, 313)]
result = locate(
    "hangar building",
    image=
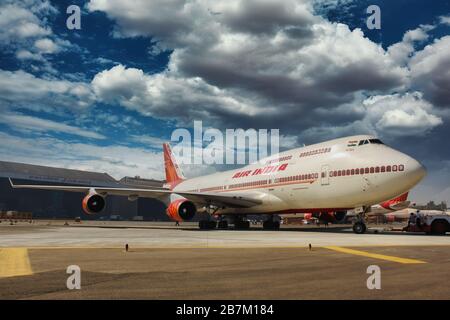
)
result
[(60, 204)]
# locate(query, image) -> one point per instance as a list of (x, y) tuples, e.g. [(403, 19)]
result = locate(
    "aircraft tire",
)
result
[(359, 227), (439, 227)]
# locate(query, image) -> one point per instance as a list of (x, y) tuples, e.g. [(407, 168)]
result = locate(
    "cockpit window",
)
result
[(376, 141), (363, 142)]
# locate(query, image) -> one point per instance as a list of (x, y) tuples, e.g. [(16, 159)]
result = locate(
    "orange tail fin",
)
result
[(173, 171)]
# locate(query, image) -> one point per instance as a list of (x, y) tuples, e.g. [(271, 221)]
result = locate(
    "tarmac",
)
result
[(168, 262)]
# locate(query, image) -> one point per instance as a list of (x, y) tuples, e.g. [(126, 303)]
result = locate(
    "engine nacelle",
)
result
[(181, 210), (93, 203)]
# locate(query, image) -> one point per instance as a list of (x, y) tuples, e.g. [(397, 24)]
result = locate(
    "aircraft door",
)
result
[(324, 175)]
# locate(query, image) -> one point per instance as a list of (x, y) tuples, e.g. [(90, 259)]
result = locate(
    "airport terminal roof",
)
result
[(140, 182), (52, 174)]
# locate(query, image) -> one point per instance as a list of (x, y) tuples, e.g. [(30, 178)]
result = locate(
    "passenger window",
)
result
[(383, 169), (367, 170), (352, 172), (372, 170), (357, 171), (401, 167), (394, 167), (388, 169), (377, 169)]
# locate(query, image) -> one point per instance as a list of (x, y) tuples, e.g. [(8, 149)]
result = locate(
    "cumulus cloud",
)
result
[(18, 24), (46, 46), (25, 31), (430, 71), (402, 51), (399, 115), (388, 116), (245, 63), (24, 90)]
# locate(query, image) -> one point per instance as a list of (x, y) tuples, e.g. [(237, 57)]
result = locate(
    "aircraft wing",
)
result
[(228, 200)]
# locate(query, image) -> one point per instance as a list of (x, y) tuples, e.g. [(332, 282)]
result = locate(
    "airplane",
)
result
[(350, 173)]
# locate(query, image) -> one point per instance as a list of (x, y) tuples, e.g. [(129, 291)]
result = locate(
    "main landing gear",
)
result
[(272, 223), (239, 222), (207, 224), (359, 227)]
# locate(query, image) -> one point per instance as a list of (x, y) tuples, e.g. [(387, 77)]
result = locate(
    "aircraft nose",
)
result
[(416, 170)]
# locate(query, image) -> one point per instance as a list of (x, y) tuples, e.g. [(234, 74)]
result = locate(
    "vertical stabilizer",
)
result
[(173, 171)]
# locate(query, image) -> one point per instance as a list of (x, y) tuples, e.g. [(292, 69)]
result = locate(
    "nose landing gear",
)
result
[(359, 227)]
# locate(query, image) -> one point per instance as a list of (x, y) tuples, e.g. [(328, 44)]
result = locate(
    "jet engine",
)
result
[(93, 203), (181, 210)]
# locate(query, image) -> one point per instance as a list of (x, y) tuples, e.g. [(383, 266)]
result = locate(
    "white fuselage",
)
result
[(329, 176)]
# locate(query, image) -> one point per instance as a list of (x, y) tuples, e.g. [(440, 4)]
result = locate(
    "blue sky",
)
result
[(104, 97)]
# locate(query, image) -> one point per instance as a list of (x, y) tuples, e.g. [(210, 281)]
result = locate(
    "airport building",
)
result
[(60, 204)]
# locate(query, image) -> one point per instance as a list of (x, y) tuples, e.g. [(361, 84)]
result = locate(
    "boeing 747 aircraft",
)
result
[(351, 173)]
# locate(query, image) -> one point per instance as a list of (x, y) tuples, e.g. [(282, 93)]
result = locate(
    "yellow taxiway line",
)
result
[(375, 255), (14, 262)]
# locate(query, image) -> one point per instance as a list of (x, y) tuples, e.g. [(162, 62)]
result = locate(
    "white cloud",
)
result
[(18, 24), (244, 62), (34, 124), (430, 71), (401, 115), (150, 141), (46, 46), (20, 89), (119, 83), (402, 51), (445, 20), (27, 55), (387, 116)]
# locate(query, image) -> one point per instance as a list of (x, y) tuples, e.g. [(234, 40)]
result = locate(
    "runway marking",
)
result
[(14, 262), (375, 255)]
